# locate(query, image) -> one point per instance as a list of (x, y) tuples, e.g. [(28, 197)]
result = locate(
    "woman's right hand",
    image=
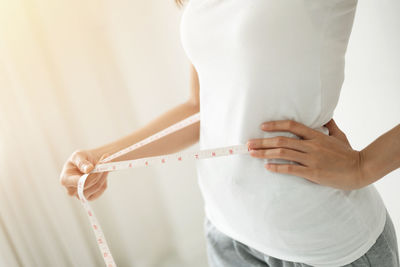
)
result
[(81, 162)]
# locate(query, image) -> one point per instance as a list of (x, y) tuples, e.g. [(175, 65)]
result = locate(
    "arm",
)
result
[(83, 161), (328, 160), (171, 143), (381, 157)]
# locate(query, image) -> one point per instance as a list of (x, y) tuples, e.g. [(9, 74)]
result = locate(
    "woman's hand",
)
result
[(326, 160), (79, 163)]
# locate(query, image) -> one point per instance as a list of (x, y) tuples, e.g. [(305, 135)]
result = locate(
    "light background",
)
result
[(77, 74)]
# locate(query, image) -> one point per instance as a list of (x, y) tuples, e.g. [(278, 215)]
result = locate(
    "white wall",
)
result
[(369, 103)]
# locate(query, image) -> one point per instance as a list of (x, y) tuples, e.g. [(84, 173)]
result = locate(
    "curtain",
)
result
[(77, 74)]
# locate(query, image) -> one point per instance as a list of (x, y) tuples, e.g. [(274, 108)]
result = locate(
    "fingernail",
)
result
[(86, 167), (264, 126)]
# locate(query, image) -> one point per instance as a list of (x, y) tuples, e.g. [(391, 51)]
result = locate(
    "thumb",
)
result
[(333, 128), (104, 156), (83, 164), (336, 132)]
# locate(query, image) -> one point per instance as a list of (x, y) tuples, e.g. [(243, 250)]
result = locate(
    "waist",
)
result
[(215, 133)]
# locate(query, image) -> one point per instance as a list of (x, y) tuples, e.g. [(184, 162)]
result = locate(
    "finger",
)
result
[(279, 141), (88, 193), (333, 128), (72, 180), (95, 187), (292, 169), (69, 170), (292, 126), (80, 161), (330, 126), (93, 179), (104, 156), (335, 131), (99, 192), (281, 153), (71, 191)]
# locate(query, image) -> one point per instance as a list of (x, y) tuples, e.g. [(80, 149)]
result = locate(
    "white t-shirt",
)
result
[(263, 60)]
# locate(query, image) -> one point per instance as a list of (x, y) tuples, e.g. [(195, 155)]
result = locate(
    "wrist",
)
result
[(359, 174), (98, 152), (365, 168)]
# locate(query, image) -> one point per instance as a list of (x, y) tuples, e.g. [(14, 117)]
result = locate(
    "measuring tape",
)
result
[(163, 159)]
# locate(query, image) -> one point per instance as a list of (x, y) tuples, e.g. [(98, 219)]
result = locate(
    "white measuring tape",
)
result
[(163, 159)]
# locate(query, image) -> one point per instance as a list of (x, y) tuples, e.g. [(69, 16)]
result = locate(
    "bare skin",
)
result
[(327, 160), (96, 183)]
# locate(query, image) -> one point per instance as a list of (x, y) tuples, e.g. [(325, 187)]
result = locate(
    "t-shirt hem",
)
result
[(276, 254)]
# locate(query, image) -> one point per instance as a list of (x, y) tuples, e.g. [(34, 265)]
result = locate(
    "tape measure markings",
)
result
[(102, 166)]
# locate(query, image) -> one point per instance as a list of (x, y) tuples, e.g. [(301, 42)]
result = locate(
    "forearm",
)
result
[(382, 156), (171, 143)]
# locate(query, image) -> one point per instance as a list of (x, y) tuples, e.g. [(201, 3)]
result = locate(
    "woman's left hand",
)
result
[(324, 159)]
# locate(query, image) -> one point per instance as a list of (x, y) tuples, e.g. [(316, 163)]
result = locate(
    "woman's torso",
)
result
[(262, 60)]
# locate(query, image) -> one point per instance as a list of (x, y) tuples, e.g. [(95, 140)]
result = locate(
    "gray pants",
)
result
[(223, 251)]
